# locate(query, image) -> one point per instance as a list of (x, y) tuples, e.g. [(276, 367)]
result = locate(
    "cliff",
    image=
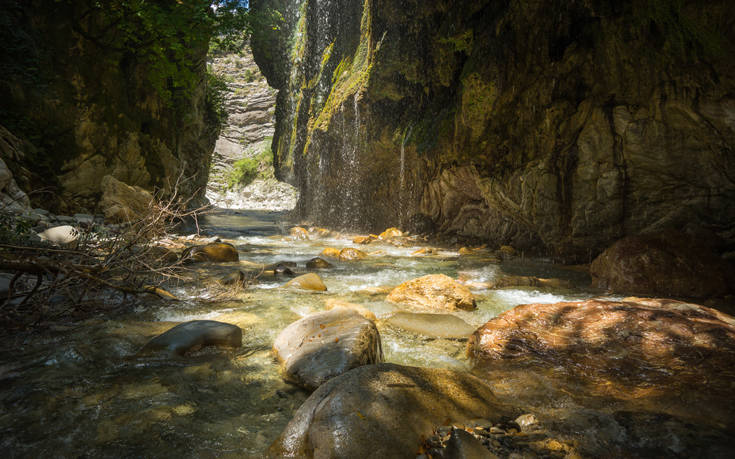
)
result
[(92, 92), (554, 126)]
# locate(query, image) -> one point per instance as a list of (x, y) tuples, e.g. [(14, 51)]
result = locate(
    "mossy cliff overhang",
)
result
[(555, 126), (87, 107)]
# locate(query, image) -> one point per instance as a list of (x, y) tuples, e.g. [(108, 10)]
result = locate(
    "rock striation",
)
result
[(552, 126)]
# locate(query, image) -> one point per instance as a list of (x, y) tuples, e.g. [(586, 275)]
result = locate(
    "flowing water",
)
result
[(79, 390)]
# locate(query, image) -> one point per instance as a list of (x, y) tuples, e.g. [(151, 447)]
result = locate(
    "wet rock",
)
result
[(299, 233), (390, 233), (333, 303), (318, 263), (435, 325), (220, 252), (386, 409), (234, 278), (421, 224), (326, 344), (530, 281), (162, 255), (669, 353), (330, 252), (282, 268), (364, 239), (668, 263), (60, 235), (435, 291), (122, 202), (350, 254), (425, 251), (526, 421), (193, 335), (309, 281), (463, 445)]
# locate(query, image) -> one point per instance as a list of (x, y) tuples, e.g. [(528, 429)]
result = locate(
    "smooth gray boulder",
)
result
[(194, 335), (384, 411), (326, 344), (435, 325)]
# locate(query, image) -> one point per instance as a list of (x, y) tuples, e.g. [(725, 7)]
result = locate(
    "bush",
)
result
[(247, 169)]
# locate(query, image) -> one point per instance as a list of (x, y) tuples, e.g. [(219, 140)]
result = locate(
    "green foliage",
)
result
[(249, 75), (15, 229), (247, 169), (215, 98)]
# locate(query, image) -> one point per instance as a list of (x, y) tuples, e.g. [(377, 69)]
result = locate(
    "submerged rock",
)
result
[(326, 344), (309, 281), (529, 281), (333, 303), (193, 335), (215, 252), (436, 325), (668, 263), (350, 254), (435, 291), (386, 410)]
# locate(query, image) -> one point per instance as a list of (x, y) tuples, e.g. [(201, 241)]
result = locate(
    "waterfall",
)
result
[(402, 186)]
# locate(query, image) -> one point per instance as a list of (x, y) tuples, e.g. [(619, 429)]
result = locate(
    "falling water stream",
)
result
[(79, 390)]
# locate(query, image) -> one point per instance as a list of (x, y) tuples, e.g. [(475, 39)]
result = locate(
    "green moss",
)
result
[(247, 169), (478, 97), (460, 42)]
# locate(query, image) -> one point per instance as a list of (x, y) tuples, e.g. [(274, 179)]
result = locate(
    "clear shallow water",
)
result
[(80, 390)]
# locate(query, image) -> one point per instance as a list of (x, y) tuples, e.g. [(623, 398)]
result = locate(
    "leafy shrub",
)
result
[(247, 169)]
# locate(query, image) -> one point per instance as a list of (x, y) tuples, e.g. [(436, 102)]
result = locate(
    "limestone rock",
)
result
[(318, 263), (122, 202), (330, 252), (350, 254), (666, 263), (219, 252), (12, 198), (326, 344), (386, 409), (299, 233), (390, 233), (190, 336), (333, 303), (435, 325), (434, 292), (308, 281), (60, 235)]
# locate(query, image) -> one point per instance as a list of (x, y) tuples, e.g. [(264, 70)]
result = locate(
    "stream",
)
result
[(79, 390)]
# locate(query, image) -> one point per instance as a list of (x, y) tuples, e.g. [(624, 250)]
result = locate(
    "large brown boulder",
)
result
[(668, 263), (193, 335), (652, 354), (432, 292), (323, 345), (383, 411), (220, 252), (309, 281), (122, 202)]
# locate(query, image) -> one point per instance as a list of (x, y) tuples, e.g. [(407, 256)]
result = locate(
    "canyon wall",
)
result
[(91, 92), (554, 126)]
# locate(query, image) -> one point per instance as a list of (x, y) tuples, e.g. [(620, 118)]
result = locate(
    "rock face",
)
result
[(193, 335), (326, 344), (668, 263), (383, 411), (651, 354), (548, 125), (12, 198), (123, 203), (433, 292), (88, 107)]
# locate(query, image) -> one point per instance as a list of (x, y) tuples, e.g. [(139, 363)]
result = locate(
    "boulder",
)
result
[(330, 252), (122, 202), (326, 344), (530, 281), (308, 281), (220, 252), (299, 233), (60, 235), (667, 354), (363, 239), (193, 335), (384, 411), (350, 254), (668, 263), (12, 198), (435, 291), (390, 233), (318, 263), (434, 325)]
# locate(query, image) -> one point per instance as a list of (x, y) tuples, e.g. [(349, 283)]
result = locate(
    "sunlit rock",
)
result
[(317, 232), (220, 252), (435, 325), (60, 235), (193, 335), (667, 263), (299, 233), (326, 344), (435, 292), (318, 263), (390, 233), (350, 254), (362, 240), (386, 410), (308, 281), (330, 252)]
